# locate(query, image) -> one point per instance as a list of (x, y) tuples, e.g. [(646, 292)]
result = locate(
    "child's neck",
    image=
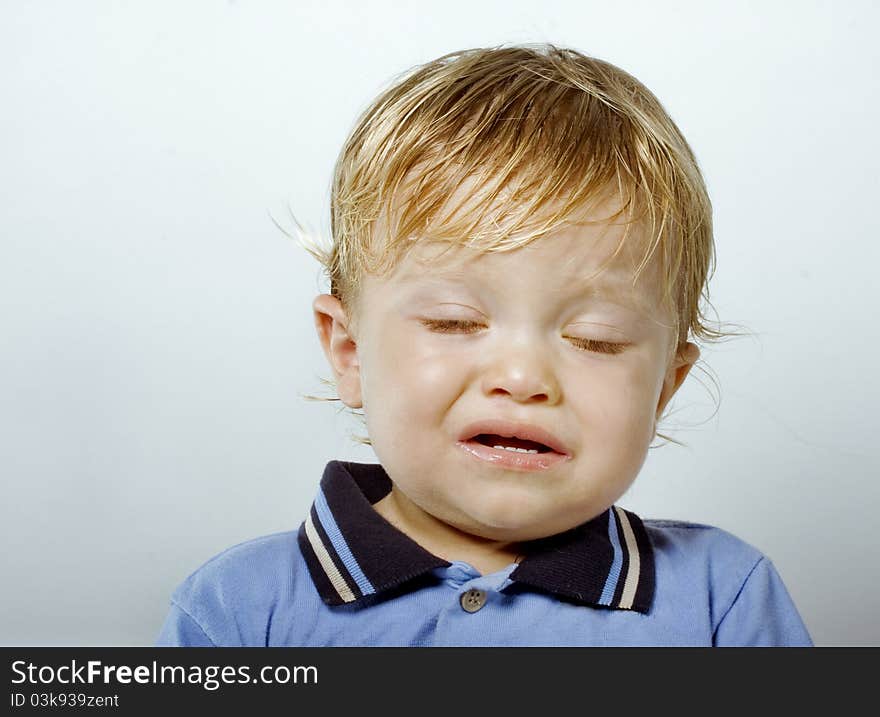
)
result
[(443, 540)]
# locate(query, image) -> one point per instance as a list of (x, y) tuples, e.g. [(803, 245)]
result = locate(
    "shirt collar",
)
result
[(352, 552)]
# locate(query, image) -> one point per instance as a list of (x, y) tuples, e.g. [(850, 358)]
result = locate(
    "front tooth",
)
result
[(517, 450)]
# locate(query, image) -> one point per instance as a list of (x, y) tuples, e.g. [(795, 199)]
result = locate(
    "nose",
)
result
[(524, 375)]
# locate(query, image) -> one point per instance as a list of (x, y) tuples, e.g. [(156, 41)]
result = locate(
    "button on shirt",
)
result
[(347, 577), (473, 599)]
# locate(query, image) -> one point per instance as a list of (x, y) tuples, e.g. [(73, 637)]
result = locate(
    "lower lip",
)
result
[(514, 461)]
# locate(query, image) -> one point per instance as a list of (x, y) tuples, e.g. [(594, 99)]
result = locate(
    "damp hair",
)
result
[(542, 132)]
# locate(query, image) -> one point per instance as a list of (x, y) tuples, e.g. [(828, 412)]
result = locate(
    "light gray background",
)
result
[(156, 331)]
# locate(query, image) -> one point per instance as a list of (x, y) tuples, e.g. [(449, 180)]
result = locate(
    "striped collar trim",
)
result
[(353, 553)]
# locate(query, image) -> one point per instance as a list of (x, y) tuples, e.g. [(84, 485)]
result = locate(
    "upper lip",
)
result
[(511, 429)]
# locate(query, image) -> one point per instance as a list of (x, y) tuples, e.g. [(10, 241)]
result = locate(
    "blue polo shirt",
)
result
[(348, 577)]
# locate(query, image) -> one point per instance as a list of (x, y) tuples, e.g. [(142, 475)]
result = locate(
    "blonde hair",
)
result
[(547, 130)]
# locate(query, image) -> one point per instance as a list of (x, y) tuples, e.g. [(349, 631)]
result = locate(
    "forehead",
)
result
[(588, 255)]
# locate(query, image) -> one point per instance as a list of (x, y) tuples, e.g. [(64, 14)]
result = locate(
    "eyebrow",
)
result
[(435, 277), (617, 291), (614, 291)]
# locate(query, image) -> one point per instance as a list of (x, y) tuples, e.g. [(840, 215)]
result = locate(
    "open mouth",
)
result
[(513, 444), (511, 453)]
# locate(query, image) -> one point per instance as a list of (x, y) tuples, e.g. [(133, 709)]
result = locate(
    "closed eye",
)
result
[(602, 347), (447, 326)]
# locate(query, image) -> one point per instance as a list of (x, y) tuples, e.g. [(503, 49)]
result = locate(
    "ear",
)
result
[(332, 324), (676, 373)]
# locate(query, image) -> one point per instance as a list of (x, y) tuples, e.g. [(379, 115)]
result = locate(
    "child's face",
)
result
[(508, 353)]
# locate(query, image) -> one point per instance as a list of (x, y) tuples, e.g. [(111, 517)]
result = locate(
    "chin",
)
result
[(514, 530), (523, 517), (517, 529)]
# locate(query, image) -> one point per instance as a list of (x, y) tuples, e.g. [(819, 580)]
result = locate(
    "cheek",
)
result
[(402, 375), (417, 364), (613, 397)]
